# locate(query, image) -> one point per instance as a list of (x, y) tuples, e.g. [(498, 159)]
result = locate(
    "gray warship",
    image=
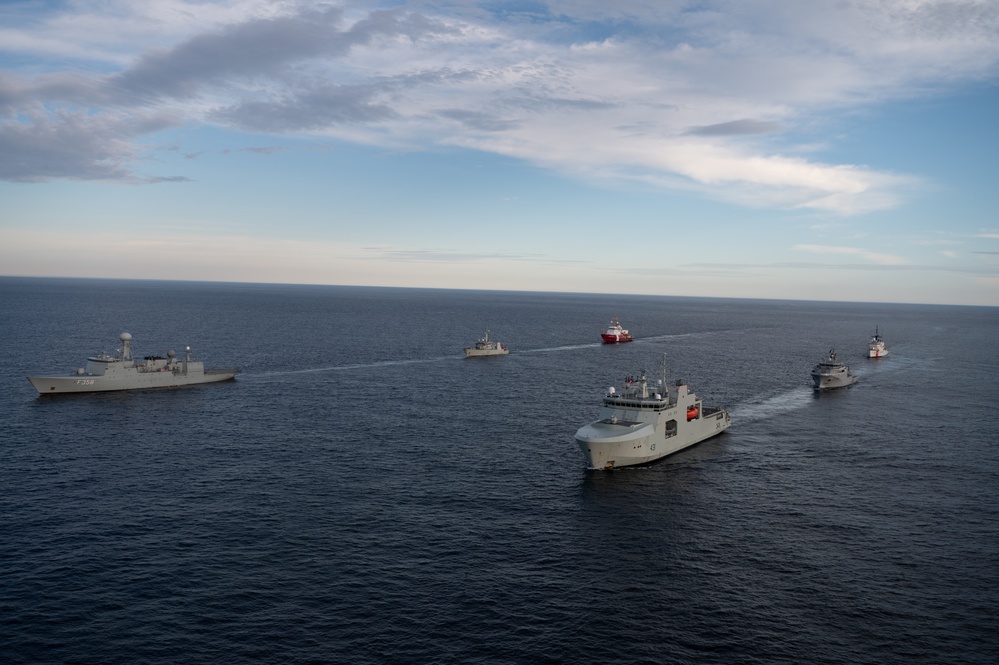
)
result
[(105, 372), (645, 422), (831, 373), (486, 347)]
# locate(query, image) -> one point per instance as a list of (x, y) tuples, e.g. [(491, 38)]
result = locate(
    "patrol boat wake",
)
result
[(105, 372), (643, 423)]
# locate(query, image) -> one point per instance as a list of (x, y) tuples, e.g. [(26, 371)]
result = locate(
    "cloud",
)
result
[(258, 47), (938, 241), (449, 256), (675, 95), (873, 257), (735, 128), (262, 49), (312, 109), (74, 145), (749, 268), (479, 120), (273, 149)]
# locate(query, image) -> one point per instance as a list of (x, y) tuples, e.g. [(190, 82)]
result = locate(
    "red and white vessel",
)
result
[(876, 348), (615, 334)]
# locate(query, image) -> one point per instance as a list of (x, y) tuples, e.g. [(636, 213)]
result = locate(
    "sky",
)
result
[(843, 150)]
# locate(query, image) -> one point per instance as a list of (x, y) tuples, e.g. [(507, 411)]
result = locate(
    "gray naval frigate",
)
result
[(644, 422), (105, 372), (831, 373)]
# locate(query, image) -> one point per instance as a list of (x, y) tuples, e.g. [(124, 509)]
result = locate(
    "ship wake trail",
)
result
[(761, 409), (351, 367), (569, 347), (697, 334), (666, 338)]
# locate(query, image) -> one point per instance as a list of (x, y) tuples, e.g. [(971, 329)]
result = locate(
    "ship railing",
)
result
[(651, 403)]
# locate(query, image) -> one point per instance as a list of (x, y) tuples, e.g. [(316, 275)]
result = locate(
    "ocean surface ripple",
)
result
[(362, 493)]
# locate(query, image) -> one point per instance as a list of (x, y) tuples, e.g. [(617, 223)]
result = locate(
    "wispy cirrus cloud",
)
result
[(748, 268), (866, 255), (452, 256), (736, 128)]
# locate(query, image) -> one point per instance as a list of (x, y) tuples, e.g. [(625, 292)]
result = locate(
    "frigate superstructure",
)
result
[(106, 372), (645, 421)]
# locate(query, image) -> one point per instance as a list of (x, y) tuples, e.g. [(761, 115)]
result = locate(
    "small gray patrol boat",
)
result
[(486, 347), (831, 373), (105, 372)]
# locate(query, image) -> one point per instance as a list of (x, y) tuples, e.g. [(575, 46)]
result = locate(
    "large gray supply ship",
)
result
[(105, 372), (644, 422), (831, 373)]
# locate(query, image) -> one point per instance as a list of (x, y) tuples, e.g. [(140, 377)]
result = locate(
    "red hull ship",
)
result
[(615, 334)]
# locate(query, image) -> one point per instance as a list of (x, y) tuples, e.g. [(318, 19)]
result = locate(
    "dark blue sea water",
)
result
[(362, 493)]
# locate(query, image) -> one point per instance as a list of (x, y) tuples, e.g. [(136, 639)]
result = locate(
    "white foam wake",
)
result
[(762, 408), (354, 366)]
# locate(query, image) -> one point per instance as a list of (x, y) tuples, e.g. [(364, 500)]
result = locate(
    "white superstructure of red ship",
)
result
[(615, 334)]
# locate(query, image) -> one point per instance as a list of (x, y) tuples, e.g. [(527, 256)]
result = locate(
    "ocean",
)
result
[(363, 493)]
